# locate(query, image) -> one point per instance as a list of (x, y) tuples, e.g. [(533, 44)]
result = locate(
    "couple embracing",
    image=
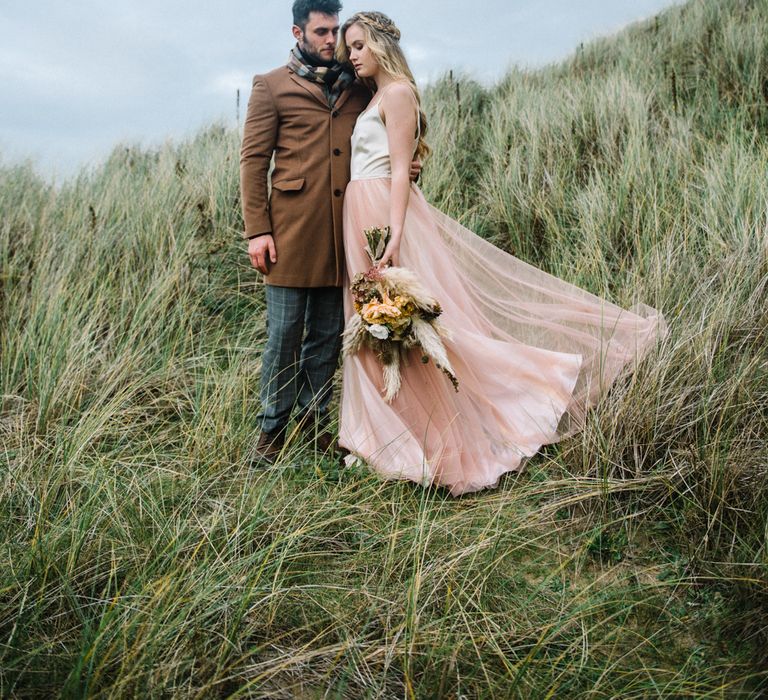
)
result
[(530, 352)]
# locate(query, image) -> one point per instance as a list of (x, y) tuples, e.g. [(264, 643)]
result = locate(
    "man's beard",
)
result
[(314, 56)]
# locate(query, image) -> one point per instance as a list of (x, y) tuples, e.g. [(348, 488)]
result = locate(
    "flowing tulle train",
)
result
[(531, 353)]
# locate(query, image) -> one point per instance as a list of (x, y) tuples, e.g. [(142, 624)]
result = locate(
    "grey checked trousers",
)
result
[(304, 327)]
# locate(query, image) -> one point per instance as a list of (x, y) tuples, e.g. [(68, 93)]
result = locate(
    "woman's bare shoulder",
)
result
[(399, 92), (398, 99)]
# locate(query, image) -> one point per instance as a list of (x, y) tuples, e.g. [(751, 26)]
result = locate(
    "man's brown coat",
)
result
[(289, 116)]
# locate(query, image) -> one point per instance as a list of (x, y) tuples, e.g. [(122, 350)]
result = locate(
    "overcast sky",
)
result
[(76, 78)]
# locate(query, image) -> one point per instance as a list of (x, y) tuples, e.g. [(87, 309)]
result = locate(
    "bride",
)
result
[(530, 351)]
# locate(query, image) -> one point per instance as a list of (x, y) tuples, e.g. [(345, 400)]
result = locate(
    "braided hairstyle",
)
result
[(377, 21), (383, 39)]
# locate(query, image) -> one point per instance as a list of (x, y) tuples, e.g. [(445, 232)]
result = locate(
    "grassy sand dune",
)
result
[(142, 557)]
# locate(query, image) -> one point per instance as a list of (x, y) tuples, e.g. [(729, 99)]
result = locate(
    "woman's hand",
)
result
[(391, 255), (415, 170)]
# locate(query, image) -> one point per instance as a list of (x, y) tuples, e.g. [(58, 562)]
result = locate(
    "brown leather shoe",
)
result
[(325, 442), (321, 439), (268, 448)]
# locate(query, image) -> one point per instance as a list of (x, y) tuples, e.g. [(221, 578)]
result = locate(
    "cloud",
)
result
[(78, 77), (27, 72), (230, 82), (416, 53)]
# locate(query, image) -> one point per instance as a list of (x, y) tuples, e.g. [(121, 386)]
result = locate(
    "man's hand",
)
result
[(262, 252), (415, 170)]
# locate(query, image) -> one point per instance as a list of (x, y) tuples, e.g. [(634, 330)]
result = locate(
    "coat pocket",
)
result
[(289, 185)]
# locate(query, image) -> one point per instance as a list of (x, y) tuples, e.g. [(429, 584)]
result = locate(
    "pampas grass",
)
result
[(392, 378), (410, 285), (354, 335), (429, 336)]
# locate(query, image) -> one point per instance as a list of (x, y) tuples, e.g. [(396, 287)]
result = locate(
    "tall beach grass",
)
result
[(143, 557)]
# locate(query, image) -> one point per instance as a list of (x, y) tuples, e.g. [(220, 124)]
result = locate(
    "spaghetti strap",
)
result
[(380, 93), (415, 101), (378, 96)]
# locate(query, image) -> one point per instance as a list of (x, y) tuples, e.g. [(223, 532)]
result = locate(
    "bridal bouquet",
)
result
[(394, 314)]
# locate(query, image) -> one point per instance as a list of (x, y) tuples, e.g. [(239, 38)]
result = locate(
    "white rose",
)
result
[(378, 331)]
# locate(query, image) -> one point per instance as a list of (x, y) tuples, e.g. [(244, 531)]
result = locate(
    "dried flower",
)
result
[(378, 331), (394, 314)]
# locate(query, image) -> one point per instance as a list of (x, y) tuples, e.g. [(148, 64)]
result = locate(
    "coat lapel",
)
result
[(343, 98), (313, 89), (354, 88)]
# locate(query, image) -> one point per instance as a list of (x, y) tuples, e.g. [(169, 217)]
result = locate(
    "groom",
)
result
[(304, 113)]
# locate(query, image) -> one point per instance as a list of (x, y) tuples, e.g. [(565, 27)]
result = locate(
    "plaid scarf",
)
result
[(333, 79)]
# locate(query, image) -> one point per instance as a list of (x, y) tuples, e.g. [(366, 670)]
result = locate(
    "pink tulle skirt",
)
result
[(530, 351)]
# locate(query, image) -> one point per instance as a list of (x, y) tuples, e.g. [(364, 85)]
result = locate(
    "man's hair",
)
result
[(302, 8)]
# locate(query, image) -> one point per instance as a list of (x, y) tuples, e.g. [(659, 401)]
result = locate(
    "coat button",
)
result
[(336, 152), (334, 114), (337, 193)]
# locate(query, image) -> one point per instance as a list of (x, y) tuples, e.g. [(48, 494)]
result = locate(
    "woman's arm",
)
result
[(398, 108)]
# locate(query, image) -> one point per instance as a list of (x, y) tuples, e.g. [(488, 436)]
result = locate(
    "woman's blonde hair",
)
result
[(383, 39)]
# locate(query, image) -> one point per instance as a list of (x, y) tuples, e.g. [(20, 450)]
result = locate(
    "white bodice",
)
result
[(370, 147)]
